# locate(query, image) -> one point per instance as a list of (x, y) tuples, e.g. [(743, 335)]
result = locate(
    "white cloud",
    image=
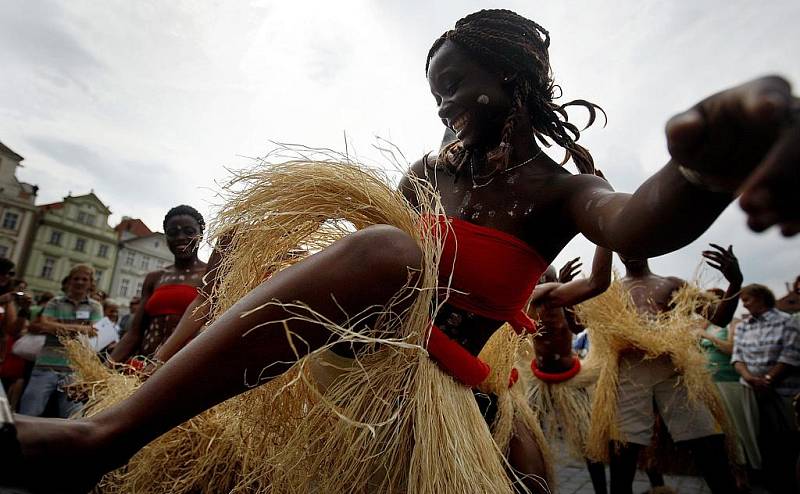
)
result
[(147, 101)]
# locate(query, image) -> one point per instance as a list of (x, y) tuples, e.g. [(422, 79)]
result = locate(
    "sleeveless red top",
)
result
[(490, 273), (170, 299)]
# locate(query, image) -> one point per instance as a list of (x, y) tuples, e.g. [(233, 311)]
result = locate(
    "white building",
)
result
[(17, 212), (140, 252)]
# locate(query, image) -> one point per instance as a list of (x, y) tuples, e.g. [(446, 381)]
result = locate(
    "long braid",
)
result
[(506, 42)]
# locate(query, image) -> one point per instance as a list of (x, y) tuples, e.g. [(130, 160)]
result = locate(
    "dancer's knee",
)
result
[(384, 253)]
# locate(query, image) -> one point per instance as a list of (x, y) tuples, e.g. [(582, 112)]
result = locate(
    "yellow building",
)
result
[(73, 231)]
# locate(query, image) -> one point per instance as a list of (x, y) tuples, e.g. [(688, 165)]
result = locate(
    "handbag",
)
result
[(29, 346)]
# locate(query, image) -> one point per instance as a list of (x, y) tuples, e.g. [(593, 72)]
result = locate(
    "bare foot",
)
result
[(59, 456)]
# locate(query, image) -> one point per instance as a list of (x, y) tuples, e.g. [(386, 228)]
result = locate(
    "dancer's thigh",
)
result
[(527, 459)]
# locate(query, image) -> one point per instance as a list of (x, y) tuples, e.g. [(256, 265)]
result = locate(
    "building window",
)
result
[(55, 237), (48, 268), (10, 221), (102, 251), (124, 286), (3, 251), (130, 258), (80, 244), (86, 219), (139, 289), (145, 263), (156, 244), (98, 276)]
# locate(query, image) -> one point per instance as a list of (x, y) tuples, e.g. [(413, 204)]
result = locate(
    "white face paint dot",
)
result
[(529, 210), (491, 214), (475, 216)]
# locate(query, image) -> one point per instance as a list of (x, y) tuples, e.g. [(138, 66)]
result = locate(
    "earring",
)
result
[(483, 99)]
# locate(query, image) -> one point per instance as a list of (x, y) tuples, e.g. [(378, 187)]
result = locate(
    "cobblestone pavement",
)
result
[(573, 478)]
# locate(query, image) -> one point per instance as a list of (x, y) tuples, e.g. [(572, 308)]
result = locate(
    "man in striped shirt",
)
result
[(68, 315), (766, 354)]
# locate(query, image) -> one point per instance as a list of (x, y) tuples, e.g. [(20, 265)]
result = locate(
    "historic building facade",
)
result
[(73, 231), (17, 211)]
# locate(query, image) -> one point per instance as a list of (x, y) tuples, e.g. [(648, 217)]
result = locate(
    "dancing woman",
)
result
[(168, 292), (491, 79)]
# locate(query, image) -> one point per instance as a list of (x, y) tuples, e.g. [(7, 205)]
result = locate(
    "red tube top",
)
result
[(493, 272), (170, 299)]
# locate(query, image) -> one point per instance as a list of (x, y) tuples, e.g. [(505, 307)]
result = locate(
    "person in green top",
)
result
[(718, 344), (67, 315)]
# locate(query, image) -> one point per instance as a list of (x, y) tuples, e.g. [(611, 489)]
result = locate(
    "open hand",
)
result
[(570, 270), (724, 261), (747, 140)]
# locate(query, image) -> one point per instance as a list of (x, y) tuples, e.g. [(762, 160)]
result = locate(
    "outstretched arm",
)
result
[(726, 262), (744, 139), (577, 290)]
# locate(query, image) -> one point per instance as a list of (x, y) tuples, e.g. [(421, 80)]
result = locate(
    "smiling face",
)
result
[(79, 284), (473, 101), (183, 236)]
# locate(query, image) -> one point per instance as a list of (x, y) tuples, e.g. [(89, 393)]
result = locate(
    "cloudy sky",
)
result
[(147, 102)]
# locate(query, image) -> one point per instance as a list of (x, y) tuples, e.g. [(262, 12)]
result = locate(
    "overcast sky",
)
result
[(146, 102)]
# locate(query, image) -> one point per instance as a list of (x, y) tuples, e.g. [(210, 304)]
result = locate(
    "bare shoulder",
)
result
[(153, 276), (677, 283), (418, 170)]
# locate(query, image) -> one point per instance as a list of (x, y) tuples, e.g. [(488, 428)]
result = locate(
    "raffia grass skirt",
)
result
[(564, 408), (615, 326), (390, 421)]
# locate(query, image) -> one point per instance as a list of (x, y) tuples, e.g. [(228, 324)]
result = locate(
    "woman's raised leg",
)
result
[(364, 269)]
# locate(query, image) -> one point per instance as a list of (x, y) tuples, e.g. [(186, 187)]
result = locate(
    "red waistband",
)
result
[(455, 360), (557, 377)]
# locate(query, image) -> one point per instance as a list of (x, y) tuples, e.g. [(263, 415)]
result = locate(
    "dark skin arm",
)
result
[(726, 262), (132, 339), (721, 140), (665, 213), (578, 290), (567, 273)]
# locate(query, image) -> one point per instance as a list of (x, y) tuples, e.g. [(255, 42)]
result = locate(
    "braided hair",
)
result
[(183, 209), (507, 43)]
